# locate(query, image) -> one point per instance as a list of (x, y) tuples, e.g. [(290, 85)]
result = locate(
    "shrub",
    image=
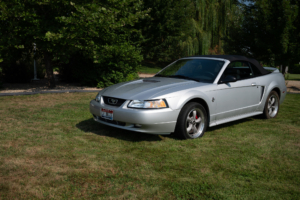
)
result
[(111, 64), (295, 69), (20, 72)]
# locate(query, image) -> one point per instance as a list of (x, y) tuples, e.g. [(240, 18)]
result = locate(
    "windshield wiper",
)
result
[(184, 77)]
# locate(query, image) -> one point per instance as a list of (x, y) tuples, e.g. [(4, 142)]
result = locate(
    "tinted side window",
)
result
[(240, 70)]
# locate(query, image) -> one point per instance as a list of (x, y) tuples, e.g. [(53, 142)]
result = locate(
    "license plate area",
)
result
[(107, 114)]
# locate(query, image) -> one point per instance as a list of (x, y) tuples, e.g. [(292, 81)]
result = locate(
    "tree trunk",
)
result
[(49, 70)]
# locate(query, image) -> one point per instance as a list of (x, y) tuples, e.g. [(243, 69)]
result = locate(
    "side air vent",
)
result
[(262, 92)]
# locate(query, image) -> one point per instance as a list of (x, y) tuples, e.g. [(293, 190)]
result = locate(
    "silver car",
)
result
[(191, 94)]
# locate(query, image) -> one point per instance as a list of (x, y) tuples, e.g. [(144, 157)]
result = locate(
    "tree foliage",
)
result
[(268, 31), (184, 28), (208, 26), (103, 42), (164, 28), (62, 28)]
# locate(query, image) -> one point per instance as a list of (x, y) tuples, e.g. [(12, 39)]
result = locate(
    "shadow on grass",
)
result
[(102, 130), (237, 122)]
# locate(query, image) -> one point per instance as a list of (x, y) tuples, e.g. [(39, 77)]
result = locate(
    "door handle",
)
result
[(253, 84)]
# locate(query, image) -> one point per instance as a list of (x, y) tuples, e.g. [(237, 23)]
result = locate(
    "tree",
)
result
[(268, 31), (208, 26), (164, 27), (183, 28), (61, 28)]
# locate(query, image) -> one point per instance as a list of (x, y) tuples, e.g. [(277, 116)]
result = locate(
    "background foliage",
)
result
[(62, 28), (268, 31), (102, 43)]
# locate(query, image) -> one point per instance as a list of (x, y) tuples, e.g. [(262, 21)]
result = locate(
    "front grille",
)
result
[(113, 101)]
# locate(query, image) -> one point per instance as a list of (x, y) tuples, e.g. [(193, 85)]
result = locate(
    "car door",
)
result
[(240, 97)]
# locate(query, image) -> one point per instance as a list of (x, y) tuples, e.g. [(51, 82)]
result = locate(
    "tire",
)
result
[(192, 121), (271, 106)]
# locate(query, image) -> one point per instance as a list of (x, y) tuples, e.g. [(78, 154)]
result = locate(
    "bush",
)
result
[(20, 71), (295, 69), (112, 64)]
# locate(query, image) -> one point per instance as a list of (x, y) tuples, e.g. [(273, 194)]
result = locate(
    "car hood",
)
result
[(148, 88)]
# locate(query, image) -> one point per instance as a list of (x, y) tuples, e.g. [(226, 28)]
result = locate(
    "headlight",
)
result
[(98, 97), (160, 103)]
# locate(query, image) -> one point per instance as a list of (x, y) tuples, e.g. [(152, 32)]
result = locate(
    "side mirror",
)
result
[(227, 79)]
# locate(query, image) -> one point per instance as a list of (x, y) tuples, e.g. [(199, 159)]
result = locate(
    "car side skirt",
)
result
[(230, 119)]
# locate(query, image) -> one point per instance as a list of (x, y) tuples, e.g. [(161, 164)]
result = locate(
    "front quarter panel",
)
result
[(179, 99)]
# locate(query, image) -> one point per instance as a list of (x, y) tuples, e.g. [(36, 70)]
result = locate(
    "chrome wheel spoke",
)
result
[(270, 110), (189, 128), (195, 130), (272, 101), (194, 115), (195, 120), (273, 105)]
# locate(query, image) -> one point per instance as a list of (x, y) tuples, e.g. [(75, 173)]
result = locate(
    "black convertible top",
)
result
[(232, 58)]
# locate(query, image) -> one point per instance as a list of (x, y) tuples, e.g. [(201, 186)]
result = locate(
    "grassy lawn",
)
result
[(295, 77), (50, 147), (150, 68)]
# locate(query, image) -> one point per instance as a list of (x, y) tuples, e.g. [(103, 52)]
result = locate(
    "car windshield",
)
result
[(202, 70)]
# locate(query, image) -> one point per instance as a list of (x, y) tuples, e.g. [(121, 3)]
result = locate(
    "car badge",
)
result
[(112, 101)]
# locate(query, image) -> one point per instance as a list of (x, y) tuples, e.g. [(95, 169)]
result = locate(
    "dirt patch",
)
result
[(293, 86), (146, 75)]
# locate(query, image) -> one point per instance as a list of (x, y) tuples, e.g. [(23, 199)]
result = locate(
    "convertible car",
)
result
[(191, 94)]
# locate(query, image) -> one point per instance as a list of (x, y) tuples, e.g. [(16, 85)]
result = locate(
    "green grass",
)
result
[(51, 148), (150, 68), (295, 77)]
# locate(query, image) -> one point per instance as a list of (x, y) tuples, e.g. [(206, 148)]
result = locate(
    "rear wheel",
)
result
[(192, 121), (272, 105)]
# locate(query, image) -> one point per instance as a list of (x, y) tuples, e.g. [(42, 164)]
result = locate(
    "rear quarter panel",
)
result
[(272, 81)]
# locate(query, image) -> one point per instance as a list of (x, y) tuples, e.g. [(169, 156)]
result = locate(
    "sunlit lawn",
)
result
[(295, 77), (150, 68), (50, 147)]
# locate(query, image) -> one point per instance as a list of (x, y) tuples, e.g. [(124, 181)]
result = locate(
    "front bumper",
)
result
[(158, 121)]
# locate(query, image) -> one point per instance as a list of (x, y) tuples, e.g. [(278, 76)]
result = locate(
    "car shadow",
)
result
[(240, 121), (91, 126)]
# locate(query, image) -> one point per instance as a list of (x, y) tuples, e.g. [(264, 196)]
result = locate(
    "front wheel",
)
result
[(192, 121), (272, 105)]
